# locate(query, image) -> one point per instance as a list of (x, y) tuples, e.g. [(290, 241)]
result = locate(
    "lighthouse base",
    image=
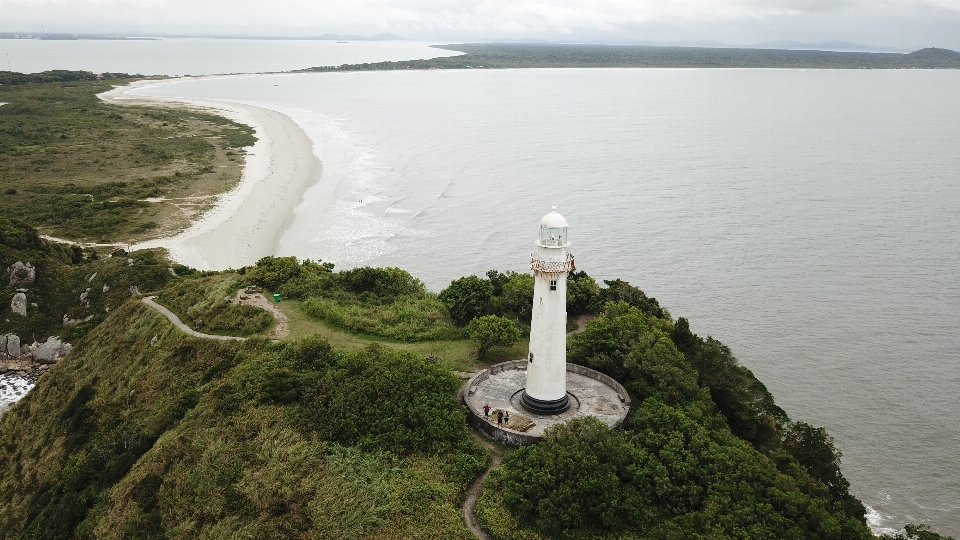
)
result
[(545, 407)]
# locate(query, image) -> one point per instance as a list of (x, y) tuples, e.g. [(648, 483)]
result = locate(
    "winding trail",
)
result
[(470, 503), (182, 326)]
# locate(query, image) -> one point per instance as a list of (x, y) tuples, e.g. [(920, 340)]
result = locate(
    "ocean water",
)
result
[(201, 56), (808, 219), (12, 388)]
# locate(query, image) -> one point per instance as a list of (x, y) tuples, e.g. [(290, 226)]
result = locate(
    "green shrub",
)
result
[(466, 298), (382, 282), (492, 331), (407, 318), (379, 398)]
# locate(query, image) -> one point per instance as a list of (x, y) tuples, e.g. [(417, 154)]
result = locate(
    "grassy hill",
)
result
[(186, 438)]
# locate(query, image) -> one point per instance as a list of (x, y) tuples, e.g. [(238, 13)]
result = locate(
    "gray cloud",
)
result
[(884, 22)]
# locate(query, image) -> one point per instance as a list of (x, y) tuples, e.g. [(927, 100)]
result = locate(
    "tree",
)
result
[(579, 478), (383, 282), (583, 294), (919, 532), (620, 291), (814, 449), (466, 298), (491, 331), (272, 272), (518, 296)]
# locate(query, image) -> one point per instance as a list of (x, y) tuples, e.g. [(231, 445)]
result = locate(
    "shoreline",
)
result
[(247, 222)]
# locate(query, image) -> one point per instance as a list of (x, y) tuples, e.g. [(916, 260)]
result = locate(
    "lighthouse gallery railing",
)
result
[(551, 267)]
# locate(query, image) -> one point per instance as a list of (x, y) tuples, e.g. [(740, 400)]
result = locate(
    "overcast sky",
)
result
[(902, 24)]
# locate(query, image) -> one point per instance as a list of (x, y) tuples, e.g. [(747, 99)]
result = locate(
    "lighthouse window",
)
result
[(553, 284), (531, 358)]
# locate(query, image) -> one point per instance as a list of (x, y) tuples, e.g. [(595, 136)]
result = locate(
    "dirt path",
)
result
[(474, 492), (582, 321), (181, 325), (282, 329)]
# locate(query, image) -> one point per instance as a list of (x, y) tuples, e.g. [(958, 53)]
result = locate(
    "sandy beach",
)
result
[(248, 221)]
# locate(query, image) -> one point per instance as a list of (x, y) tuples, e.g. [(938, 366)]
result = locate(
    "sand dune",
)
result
[(247, 222)]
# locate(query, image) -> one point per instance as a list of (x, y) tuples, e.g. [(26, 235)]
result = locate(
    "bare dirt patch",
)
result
[(282, 328)]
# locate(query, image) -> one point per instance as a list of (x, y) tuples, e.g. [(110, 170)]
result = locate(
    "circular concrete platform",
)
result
[(500, 386)]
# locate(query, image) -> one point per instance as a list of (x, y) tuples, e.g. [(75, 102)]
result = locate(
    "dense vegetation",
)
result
[(546, 55), (186, 438), (686, 464), (76, 167), (383, 302)]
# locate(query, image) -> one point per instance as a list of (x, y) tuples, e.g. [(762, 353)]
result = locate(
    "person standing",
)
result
[(486, 409), (499, 418), (506, 418)]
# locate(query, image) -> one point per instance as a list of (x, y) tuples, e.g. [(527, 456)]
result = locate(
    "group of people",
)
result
[(503, 417)]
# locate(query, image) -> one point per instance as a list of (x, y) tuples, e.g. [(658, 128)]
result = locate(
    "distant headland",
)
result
[(552, 55)]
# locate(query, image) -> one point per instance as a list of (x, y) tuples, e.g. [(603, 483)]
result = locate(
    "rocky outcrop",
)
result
[(18, 304), (51, 351), (70, 323), (21, 272), (10, 346)]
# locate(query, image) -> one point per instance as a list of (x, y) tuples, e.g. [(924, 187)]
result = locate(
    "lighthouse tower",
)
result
[(546, 389)]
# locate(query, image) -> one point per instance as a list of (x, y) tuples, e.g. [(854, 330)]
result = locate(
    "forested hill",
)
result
[(538, 55)]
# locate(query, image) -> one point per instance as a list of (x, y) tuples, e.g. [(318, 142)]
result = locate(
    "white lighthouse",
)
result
[(546, 388)]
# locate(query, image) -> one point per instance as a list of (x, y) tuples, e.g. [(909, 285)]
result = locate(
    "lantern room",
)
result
[(553, 230)]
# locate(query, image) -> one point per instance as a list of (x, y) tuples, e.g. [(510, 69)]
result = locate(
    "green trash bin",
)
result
[(276, 296)]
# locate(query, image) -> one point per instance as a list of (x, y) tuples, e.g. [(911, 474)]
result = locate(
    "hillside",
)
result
[(182, 438)]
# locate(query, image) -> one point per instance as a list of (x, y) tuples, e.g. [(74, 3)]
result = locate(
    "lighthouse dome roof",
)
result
[(553, 220)]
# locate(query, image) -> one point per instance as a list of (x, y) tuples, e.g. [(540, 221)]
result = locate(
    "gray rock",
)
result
[(129, 262), (154, 340), (134, 291), (13, 345), (84, 294), (3, 344), (70, 323), (90, 279), (24, 349), (106, 287), (51, 351), (21, 272), (18, 304)]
